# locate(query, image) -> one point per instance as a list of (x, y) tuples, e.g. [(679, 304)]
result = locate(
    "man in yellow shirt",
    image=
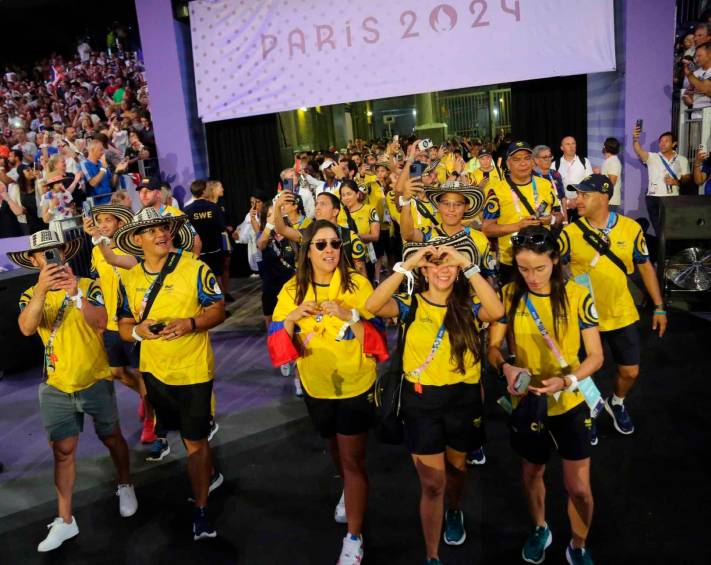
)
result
[(123, 358), (68, 314), (169, 301), (603, 248), (487, 172), (518, 201)]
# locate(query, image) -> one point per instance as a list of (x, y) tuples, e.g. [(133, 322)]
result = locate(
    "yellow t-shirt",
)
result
[(486, 260), (376, 198), (503, 205), (420, 219), (363, 217), (171, 211), (613, 299), (108, 278), (421, 335), (329, 368), (187, 290), (78, 356), (532, 351), (495, 175)]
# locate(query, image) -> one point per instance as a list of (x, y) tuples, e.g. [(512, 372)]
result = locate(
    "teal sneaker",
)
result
[(580, 556), (454, 533), (534, 550), (433, 561)]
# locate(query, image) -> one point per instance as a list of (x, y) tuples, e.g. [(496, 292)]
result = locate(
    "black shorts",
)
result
[(624, 344), (121, 353), (216, 262), (381, 246), (343, 416), (441, 417), (185, 408), (569, 433)]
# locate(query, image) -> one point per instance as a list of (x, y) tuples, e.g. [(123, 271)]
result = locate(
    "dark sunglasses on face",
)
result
[(322, 243), (536, 239)]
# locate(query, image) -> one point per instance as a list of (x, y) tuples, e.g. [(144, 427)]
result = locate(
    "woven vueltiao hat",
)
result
[(117, 211), (459, 241), (42, 241), (149, 217), (472, 194)]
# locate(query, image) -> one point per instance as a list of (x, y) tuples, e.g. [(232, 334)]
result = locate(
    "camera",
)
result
[(424, 144)]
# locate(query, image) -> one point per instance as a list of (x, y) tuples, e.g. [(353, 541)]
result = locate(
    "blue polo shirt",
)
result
[(102, 191)]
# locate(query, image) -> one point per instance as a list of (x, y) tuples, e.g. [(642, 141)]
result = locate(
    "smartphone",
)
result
[(424, 144), (287, 184), (396, 138), (640, 122), (416, 169), (523, 379), (541, 209), (52, 257), (701, 148), (86, 209), (505, 403), (156, 328)]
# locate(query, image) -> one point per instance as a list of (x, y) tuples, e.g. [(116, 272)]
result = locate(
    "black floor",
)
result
[(276, 506)]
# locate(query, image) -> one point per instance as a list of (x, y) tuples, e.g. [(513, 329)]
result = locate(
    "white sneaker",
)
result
[(352, 551), (59, 532), (297, 387), (127, 500), (339, 514)]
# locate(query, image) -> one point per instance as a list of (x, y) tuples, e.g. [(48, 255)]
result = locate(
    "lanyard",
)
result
[(435, 347), (612, 218), (50, 359), (149, 290), (517, 203), (544, 332), (668, 167)]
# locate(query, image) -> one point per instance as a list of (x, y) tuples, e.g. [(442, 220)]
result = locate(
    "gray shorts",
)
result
[(63, 414)]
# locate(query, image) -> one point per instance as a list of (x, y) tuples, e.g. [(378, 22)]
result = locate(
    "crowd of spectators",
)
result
[(71, 127)]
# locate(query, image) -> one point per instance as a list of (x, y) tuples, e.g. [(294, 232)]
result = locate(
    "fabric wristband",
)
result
[(135, 335), (269, 226), (102, 239), (471, 270), (405, 201), (355, 318), (77, 299), (573, 383), (399, 268)]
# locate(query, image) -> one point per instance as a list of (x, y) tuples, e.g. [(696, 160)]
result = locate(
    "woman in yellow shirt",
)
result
[(320, 321), (441, 399), (549, 318), (362, 219)]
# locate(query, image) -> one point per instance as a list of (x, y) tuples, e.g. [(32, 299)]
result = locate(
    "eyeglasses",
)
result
[(537, 239), (322, 243), (451, 204), (545, 157)]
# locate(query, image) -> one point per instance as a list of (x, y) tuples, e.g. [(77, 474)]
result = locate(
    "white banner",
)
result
[(261, 56)]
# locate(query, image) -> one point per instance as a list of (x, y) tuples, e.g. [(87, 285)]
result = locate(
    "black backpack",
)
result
[(389, 426)]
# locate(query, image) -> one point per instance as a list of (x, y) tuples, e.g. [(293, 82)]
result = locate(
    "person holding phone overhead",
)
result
[(321, 322), (441, 399), (362, 219), (68, 313), (549, 320)]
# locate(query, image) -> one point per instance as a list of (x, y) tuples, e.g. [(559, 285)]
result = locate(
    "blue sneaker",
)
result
[(580, 556), (593, 433), (159, 450), (476, 457), (454, 533), (534, 550), (620, 417), (202, 529)]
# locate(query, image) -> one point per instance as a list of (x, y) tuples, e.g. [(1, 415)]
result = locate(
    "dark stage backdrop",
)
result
[(546, 110), (244, 156)]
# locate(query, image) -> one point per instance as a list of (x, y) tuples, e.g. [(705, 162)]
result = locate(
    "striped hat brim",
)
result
[(459, 241), (179, 231), (121, 213), (22, 258), (474, 197)]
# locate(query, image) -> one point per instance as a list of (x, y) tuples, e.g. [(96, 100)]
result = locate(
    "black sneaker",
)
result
[(216, 481), (214, 426), (202, 529), (159, 450), (593, 433)]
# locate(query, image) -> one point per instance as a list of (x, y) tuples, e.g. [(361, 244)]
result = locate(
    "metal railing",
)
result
[(70, 229), (694, 130)]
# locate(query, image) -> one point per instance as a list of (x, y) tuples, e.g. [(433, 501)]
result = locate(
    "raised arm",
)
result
[(641, 153)]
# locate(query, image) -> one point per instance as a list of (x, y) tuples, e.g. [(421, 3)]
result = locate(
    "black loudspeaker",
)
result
[(685, 222), (17, 352)]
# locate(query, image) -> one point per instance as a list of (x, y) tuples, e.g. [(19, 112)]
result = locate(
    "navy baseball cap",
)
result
[(517, 146), (153, 183), (594, 183), (484, 152)]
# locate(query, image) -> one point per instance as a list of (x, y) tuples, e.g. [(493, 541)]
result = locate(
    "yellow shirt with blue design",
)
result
[(78, 359), (108, 278), (189, 287)]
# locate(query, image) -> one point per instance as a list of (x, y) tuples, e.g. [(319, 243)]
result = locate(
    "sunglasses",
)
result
[(322, 243), (536, 239)]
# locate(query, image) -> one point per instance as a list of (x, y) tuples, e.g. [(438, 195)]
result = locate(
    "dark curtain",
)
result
[(546, 110), (244, 156)]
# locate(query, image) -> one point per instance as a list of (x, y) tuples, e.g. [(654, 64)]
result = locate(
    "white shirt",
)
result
[(657, 171), (84, 51), (324, 188), (309, 202), (701, 100), (573, 172), (248, 236), (613, 166), (13, 193)]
